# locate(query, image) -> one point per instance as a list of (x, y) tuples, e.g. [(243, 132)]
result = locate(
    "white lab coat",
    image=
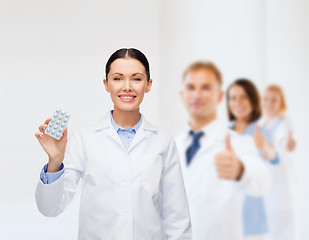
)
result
[(126, 195), (279, 202), (216, 204)]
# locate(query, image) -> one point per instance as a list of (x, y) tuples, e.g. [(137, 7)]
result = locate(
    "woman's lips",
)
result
[(127, 98)]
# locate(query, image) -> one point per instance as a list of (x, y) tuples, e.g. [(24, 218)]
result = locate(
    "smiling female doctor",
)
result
[(132, 186)]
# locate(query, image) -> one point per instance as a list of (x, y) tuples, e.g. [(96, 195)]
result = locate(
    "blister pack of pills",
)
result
[(57, 124)]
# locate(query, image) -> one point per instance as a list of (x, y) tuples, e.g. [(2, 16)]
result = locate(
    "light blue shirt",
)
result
[(126, 136), (254, 215)]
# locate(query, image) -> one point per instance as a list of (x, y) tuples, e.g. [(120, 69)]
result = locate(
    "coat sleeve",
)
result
[(52, 199), (175, 210), (256, 179)]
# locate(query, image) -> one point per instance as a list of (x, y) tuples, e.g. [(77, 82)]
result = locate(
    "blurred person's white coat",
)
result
[(216, 204), (280, 202)]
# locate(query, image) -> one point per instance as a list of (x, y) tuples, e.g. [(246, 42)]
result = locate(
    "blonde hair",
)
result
[(204, 65), (278, 89)]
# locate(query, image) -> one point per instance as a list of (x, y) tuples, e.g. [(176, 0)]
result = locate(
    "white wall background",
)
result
[(53, 53)]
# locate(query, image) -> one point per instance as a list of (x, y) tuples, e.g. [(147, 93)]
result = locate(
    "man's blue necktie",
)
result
[(195, 145)]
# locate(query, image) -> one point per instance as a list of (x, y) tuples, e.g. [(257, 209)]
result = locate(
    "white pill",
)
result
[(62, 113), (58, 110)]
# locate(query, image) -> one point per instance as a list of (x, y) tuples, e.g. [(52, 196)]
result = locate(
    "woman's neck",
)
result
[(126, 119), (269, 118), (241, 125)]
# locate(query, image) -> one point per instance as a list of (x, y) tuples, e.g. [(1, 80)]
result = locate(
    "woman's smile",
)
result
[(127, 97)]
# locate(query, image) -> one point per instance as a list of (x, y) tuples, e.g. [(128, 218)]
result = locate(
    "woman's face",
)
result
[(271, 103), (239, 103), (127, 83)]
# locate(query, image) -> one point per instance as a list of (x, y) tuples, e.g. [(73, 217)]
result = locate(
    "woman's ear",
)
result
[(148, 86), (106, 85)]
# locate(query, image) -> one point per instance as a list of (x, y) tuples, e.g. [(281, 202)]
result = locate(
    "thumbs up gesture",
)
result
[(259, 138), (227, 164), (291, 143)]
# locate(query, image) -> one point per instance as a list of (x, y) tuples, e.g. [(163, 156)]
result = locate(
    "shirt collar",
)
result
[(105, 122), (119, 128), (215, 129), (248, 130)]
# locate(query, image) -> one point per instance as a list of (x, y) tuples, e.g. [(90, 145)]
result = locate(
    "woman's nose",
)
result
[(127, 85)]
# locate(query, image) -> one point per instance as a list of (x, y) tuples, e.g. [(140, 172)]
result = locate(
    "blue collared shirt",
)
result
[(126, 136)]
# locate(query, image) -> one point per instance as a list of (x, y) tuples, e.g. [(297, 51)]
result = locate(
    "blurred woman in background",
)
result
[(279, 202), (244, 110)]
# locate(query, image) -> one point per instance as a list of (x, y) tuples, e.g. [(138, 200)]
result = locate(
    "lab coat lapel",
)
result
[(141, 132), (107, 128), (111, 132), (105, 125), (140, 135)]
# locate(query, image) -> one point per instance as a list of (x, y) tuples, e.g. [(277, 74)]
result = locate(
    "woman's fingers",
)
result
[(38, 135), (42, 127), (47, 120)]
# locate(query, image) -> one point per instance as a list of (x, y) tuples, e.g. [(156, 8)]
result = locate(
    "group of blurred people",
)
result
[(238, 178)]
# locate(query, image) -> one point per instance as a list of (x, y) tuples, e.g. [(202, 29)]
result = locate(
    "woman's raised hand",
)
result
[(54, 148)]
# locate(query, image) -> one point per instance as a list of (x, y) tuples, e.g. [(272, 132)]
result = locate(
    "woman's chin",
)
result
[(127, 107)]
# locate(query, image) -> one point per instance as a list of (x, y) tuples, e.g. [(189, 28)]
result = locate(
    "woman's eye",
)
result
[(117, 79), (137, 79)]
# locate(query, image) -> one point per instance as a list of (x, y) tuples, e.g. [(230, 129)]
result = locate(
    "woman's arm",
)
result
[(262, 141), (53, 198)]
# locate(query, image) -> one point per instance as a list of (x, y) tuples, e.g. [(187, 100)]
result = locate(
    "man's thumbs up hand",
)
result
[(227, 164)]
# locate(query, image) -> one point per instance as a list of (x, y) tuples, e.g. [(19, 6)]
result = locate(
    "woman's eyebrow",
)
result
[(117, 73), (136, 74)]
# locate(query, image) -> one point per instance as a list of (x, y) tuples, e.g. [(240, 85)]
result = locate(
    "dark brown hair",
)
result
[(128, 53), (253, 96)]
